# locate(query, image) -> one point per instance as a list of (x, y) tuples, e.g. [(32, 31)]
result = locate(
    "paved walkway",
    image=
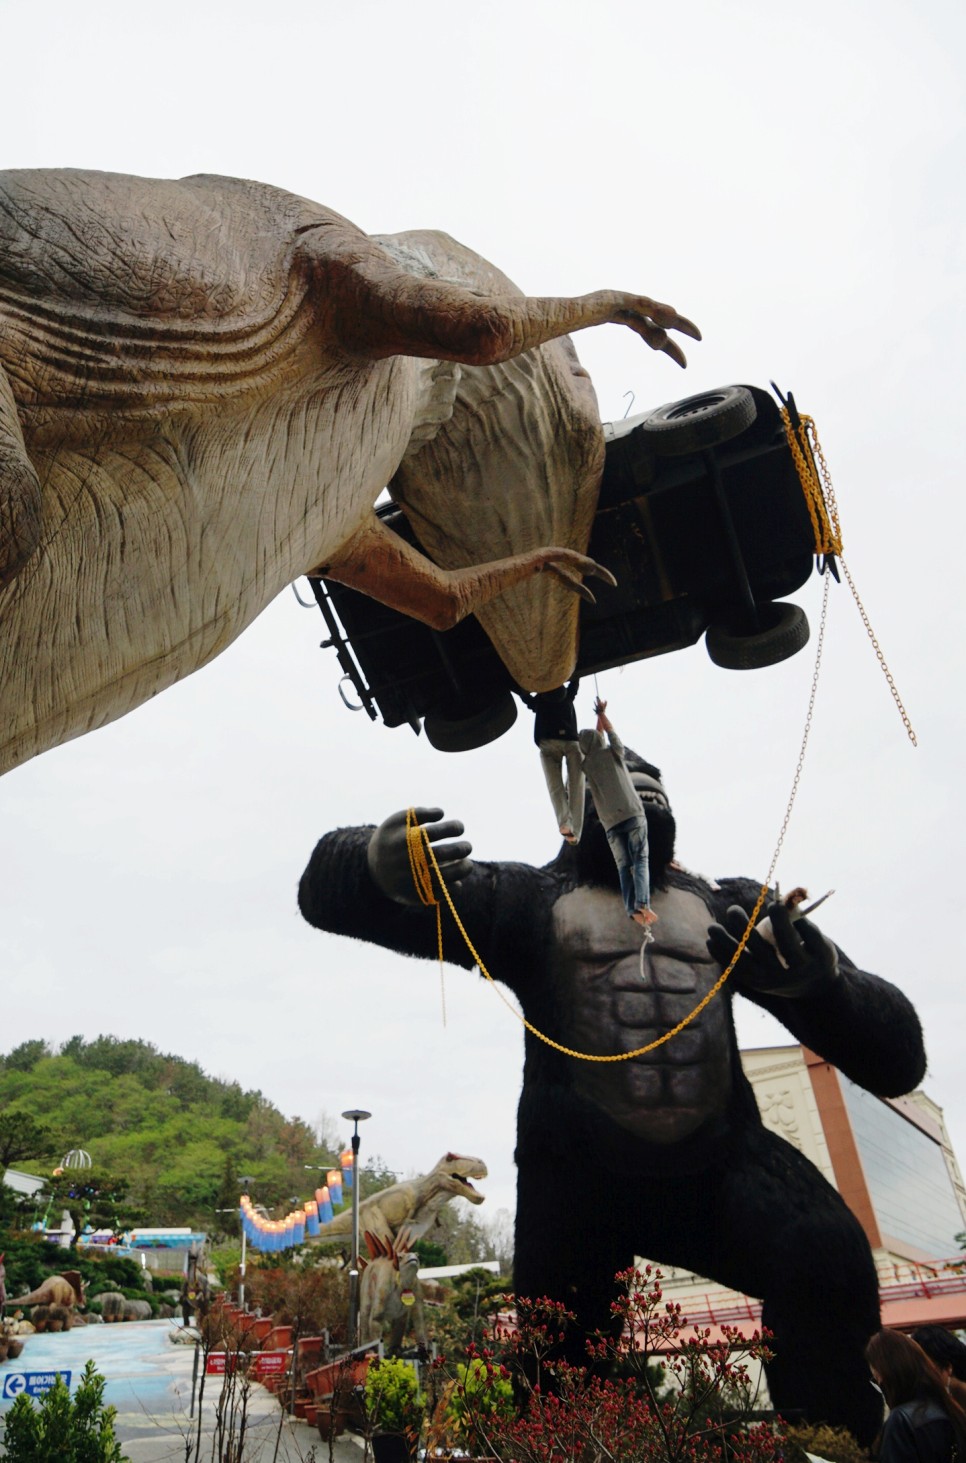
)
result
[(149, 1381)]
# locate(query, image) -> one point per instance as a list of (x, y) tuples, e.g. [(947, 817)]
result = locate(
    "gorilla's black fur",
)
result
[(685, 1171)]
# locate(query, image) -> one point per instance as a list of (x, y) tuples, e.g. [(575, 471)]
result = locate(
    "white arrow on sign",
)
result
[(14, 1384)]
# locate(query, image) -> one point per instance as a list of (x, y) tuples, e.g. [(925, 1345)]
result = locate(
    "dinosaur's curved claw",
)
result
[(573, 582)]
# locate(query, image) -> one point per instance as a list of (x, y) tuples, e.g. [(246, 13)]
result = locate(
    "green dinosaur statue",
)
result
[(412, 1202)]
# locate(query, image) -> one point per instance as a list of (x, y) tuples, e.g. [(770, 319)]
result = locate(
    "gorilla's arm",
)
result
[(505, 908), (859, 1022)]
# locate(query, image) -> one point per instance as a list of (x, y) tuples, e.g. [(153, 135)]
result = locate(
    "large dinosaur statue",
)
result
[(66, 1289), (414, 1203), (206, 384)]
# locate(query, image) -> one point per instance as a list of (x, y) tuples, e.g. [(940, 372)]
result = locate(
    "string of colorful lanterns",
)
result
[(271, 1235)]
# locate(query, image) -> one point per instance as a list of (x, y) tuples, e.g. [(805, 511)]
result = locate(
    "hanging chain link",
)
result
[(806, 451)]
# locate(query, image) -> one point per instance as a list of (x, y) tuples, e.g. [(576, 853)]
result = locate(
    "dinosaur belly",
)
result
[(607, 1007)]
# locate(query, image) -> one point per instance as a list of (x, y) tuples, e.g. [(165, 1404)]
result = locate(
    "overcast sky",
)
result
[(792, 180)]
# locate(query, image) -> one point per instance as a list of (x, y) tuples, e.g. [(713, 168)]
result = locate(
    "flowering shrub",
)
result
[(569, 1412)]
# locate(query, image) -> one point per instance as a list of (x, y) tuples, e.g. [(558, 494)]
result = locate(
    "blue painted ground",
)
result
[(148, 1381)]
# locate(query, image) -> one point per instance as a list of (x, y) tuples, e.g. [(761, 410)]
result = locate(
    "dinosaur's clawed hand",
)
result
[(569, 566), (652, 320)]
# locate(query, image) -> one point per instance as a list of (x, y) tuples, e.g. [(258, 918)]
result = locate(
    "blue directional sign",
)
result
[(35, 1384)]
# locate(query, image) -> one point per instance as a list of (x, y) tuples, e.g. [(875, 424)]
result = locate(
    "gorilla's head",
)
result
[(595, 862)]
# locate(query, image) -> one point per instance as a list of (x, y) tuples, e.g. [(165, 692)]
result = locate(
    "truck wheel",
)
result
[(784, 631), (699, 421), (451, 732)]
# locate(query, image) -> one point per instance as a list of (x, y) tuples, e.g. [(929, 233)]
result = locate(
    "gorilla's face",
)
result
[(594, 858)]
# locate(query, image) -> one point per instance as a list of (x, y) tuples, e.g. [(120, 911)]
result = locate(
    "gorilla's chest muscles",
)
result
[(605, 1006)]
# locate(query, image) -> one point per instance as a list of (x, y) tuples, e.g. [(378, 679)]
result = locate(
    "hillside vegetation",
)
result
[(168, 1143)]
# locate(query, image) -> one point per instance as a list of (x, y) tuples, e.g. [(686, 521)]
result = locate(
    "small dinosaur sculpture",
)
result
[(66, 1289), (412, 1202), (390, 1297)]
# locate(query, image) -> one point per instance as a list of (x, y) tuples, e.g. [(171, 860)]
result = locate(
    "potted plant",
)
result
[(394, 1409)]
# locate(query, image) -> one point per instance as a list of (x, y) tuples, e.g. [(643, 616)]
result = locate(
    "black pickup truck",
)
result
[(701, 518)]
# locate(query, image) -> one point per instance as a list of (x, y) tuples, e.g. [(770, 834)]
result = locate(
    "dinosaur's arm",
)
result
[(373, 307), (859, 1022)]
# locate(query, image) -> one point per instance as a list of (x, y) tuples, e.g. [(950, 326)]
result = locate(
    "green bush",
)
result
[(70, 1430), (394, 1403), (481, 1395)]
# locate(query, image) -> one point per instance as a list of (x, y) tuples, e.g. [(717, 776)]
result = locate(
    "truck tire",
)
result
[(699, 421), (784, 631), (450, 732)]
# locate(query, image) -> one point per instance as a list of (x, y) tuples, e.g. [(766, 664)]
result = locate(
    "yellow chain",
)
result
[(823, 512), (423, 880), (806, 451), (422, 857)]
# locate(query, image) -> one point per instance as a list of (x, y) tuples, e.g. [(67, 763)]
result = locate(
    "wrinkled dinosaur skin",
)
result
[(62, 1290), (413, 1203), (205, 385), (664, 1155)]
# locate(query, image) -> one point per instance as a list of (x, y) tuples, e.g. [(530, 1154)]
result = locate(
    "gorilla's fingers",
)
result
[(823, 953), (721, 946), (422, 815), (449, 828), (787, 942), (736, 921)]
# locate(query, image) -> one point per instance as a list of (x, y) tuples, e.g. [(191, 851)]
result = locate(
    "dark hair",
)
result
[(906, 1373), (942, 1347)]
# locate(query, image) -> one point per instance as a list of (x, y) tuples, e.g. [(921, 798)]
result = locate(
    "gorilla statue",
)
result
[(687, 1173)]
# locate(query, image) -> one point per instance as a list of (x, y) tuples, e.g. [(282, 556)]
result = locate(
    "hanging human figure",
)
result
[(555, 733), (619, 810)]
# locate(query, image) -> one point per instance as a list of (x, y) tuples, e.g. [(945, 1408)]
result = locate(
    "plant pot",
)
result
[(322, 1381), (330, 1424), (392, 1448), (310, 1350), (279, 1338)]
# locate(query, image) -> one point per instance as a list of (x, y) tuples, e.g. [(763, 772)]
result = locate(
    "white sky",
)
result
[(791, 179)]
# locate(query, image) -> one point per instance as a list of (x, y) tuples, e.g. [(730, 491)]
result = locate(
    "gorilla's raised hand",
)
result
[(810, 960), (388, 856)]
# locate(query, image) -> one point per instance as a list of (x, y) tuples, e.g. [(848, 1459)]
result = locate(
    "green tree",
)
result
[(21, 1136), (25, 1057), (78, 1430), (95, 1197)]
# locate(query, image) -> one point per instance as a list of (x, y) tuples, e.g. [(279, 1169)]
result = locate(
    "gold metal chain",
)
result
[(422, 860), (806, 451), (819, 493)]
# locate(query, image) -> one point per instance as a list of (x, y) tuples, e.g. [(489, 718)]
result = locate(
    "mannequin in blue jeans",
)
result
[(620, 812)]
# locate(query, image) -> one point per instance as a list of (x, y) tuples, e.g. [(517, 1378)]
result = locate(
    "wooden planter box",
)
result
[(279, 1338)]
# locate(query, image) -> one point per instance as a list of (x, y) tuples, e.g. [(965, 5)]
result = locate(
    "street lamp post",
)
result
[(246, 1183), (355, 1115)]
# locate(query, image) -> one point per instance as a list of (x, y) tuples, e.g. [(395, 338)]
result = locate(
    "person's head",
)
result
[(943, 1348), (903, 1370)]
